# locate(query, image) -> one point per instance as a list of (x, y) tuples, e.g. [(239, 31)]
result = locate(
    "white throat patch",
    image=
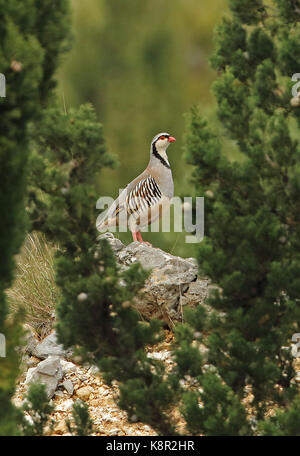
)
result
[(163, 154)]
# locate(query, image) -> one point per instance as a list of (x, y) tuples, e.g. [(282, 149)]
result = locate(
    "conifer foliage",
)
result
[(251, 245), (28, 32)]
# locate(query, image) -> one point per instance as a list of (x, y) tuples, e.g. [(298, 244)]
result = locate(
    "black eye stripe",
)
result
[(156, 138)]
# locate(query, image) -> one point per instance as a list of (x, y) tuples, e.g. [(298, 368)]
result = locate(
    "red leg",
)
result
[(139, 236), (134, 235)]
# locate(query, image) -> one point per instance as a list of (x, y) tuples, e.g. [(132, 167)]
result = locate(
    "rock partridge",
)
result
[(142, 202)]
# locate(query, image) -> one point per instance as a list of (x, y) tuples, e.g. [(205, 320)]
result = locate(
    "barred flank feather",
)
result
[(145, 195)]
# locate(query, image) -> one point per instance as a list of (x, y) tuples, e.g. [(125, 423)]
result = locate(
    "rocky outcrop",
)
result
[(49, 347), (48, 372), (172, 285), (54, 366)]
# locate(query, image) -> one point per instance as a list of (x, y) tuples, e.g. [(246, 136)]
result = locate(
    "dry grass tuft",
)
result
[(34, 286)]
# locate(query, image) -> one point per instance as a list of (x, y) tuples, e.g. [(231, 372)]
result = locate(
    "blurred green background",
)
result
[(142, 64)]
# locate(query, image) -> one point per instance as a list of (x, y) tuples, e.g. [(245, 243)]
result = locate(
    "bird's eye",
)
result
[(162, 137)]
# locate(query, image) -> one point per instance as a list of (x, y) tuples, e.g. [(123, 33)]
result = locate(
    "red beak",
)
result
[(171, 139)]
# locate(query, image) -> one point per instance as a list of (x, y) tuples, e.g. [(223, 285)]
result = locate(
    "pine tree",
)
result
[(37, 406), (251, 245), (28, 35), (83, 425)]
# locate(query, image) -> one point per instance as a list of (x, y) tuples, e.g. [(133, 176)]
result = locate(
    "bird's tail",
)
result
[(102, 222), (102, 226)]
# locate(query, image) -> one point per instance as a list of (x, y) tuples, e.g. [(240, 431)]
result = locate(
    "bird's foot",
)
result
[(142, 241), (138, 237), (147, 243)]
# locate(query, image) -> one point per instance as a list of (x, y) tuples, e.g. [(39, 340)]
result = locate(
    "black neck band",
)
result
[(157, 155)]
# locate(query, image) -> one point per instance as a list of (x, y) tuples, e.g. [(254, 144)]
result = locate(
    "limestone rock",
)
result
[(115, 243), (49, 347), (173, 283), (47, 372), (68, 385), (84, 393), (65, 406), (68, 366), (30, 340)]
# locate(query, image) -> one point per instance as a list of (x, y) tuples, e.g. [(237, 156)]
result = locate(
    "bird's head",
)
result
[(162, 141)]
